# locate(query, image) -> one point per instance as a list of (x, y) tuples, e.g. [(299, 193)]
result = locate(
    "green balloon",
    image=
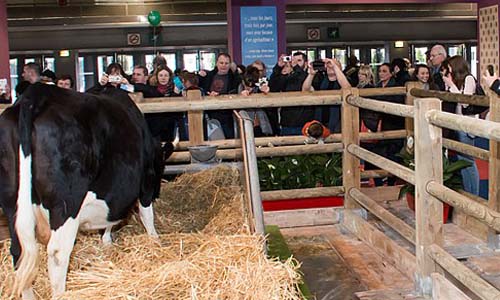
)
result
[(154, 18)]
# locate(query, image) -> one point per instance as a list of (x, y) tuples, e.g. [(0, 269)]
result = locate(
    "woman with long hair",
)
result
[(365, 77), (422, 74), (458, 79)]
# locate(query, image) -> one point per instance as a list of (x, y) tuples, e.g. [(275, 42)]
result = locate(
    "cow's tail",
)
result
[(25, 218)]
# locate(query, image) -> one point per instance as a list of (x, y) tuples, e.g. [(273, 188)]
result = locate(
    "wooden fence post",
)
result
[(350, 135), (494, 170), (195, 120), (410, 101), (429, 210)]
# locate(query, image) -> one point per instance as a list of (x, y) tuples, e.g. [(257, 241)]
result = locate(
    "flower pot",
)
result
[(289, 204), (410, 200)]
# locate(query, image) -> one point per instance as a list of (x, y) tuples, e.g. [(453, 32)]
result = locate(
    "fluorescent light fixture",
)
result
[(64, 53), (399, 44)]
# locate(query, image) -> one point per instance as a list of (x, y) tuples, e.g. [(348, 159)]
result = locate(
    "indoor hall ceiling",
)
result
[(25, 14)]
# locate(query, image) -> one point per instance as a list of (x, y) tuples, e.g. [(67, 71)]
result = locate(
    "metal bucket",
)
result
[(203, 153)]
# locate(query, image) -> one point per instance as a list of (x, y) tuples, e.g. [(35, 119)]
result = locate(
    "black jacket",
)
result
[(233, 81)]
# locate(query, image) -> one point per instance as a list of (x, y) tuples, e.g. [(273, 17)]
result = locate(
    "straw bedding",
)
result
[(204, 251)]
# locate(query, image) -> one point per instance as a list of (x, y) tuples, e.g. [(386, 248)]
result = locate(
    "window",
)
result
[(127, 62), (473, 60), (419, 55), (322, 54), (14, 78), (208, 60), (49, 63), (341, 55), (169, 57), (103, 61), (191, 62), (311, 54)]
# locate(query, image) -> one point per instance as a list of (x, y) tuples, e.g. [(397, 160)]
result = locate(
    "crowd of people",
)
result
[(290, 73)]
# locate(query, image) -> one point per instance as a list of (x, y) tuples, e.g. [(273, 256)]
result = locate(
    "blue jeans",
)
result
[(291, 130), (470, 175)]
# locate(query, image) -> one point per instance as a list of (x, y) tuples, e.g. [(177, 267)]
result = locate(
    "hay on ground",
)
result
[(221, 261)]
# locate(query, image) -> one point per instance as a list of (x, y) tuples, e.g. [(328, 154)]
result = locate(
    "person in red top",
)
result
[(315, 131)]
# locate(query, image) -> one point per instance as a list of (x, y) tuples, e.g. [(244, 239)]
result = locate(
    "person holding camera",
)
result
[(326, 75), (292, 118), (112, 79), (253, 83)]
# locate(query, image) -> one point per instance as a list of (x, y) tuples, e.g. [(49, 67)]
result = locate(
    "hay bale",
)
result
[(221, 261)]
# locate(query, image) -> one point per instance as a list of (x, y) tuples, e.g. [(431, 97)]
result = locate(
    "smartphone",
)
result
[(491, 70), (178, 83), (287, 58)]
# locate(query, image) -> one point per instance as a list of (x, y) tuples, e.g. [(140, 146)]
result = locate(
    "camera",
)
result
[(319, 66), (287, 58), (491, 70), (261, 82), (114, 78)]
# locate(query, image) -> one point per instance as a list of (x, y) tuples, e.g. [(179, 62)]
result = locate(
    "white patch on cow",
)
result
[(25, 227), (94, 213), (148, 220), (59, 250), (28, 294), (106, 237)]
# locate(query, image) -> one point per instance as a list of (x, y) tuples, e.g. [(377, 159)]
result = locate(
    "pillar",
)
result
[(4, 43)]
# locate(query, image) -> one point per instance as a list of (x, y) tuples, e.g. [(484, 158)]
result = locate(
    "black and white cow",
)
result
[(70, 161)]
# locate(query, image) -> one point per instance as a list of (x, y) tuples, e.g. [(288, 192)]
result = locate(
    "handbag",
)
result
[(475, 109)]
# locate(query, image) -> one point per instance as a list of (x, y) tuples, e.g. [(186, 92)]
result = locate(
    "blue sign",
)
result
[(259, 35)]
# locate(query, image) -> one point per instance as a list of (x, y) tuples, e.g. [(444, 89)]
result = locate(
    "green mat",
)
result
[(277, 247)]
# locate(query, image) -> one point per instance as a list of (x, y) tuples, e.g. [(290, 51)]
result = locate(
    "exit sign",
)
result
[(333, 33)]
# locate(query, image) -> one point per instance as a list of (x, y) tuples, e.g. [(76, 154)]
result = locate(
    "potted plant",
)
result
[(298, 172), (451, 178)]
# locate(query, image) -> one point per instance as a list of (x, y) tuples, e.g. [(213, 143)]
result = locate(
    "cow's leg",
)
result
[(147, 218), (59, 250), (106, 237), (28, 294)]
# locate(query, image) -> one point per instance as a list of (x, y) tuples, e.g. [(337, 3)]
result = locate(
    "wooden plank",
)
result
[(463, 274), (382, 193), (237, 102), (389, 294), (388, 218), (482, 128), (466, 149), (303, 193), (396, 255), (463, 203), (225, 154), (451, 97), (428, 210), (303, 217), (394, 168), (298, 140), (442, 289), (351, 176), (195, 120), (382, 106), (494, 172)]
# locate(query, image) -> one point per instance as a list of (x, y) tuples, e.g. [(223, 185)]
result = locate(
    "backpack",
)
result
[(475, 109)]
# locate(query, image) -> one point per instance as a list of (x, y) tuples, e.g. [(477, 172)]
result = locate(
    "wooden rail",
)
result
[(451, 97), (297, 140), (226, 154), (401, 110), (383, 163), (303, 193), (463, 203), (466, 276), (383, 214), (466, 149), (478, 127)]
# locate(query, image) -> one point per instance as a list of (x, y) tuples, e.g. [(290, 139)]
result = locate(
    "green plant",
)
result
[(451, 172), (300, 171)]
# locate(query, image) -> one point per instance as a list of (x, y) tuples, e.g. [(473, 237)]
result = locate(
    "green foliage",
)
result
[(300, 171), (451, 172)]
